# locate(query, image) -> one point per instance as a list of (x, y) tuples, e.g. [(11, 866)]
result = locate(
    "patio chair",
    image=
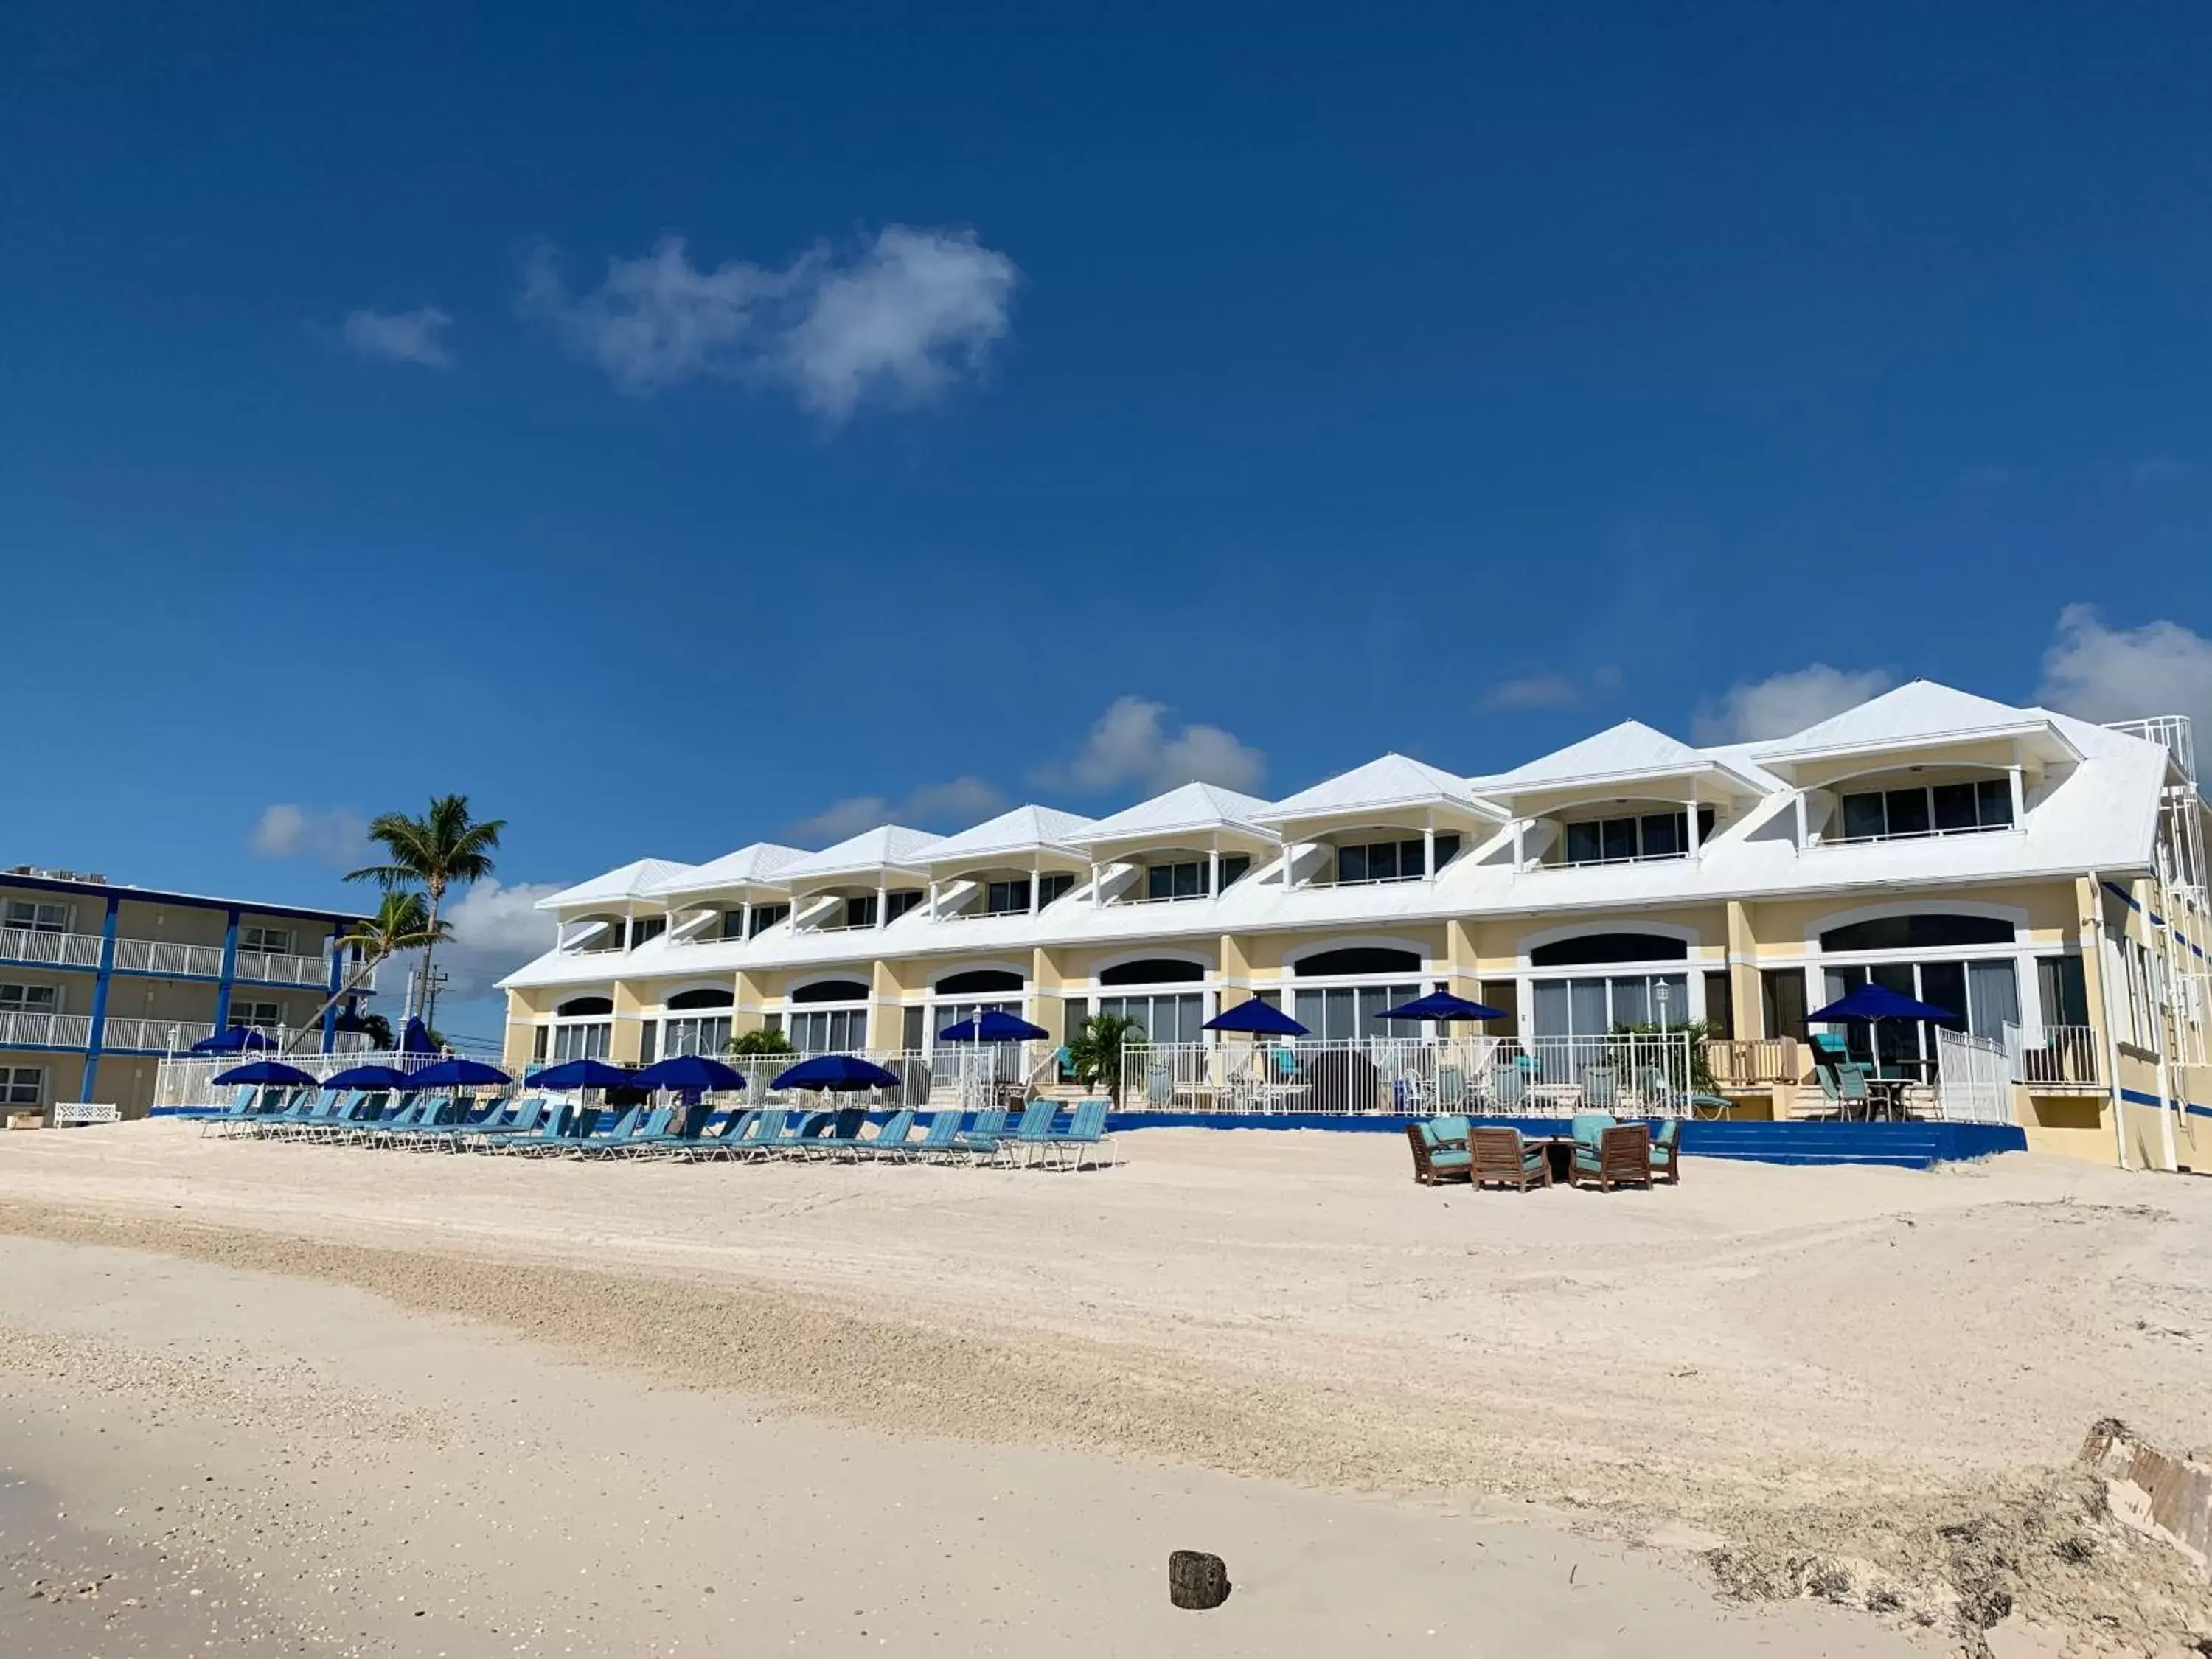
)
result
[(1666, 1145), (1662, 1099), (1439, 1154), (1159, 1088), (1451, 1089), (1503, 1158), (1509, 1086), (1085, 1131), (1620, 1155), (1601, 1088)]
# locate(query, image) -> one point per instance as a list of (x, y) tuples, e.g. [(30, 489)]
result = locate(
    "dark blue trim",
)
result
[(229, 976), (337, 978), (1912, 1145), (2156, 920), (2137, 1098), (95, 1035), (189, 900)]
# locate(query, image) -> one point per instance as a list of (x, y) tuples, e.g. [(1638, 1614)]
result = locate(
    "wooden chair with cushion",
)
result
[(1666, 1148), (1619, 1156), (1439, 1155), (1503, 1157)]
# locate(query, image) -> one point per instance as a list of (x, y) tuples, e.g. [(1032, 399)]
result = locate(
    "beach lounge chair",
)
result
[(227, 1119), (941, 1140), (1616, 1155), (551, 1135), (1033, 1132), (529, 1113), (442, 1136), (737, 1129), (890, 1140), (841, 1133), (1662, 1099), (592, 1138), (645, 1129), (1440, 1152), (1502, 1157), (419, 1112), (985, 1139), (769, 1129), (1086, 1132)]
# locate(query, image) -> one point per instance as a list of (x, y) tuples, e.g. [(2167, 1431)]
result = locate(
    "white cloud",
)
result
[(1547, 690), (897, 323), (2103, 673), (1132, 744), (1783, 704), (953, 804), (496, 928), (336, 836), (399, 337), (2161, 469)]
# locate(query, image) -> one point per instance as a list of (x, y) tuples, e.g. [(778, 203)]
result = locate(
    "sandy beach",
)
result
[(469, 1406)]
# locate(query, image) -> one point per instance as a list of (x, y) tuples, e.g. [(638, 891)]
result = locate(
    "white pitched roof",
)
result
[(1023, 830), (1916, 716), (1619, 754), (1194, 806), (753, 866), (633, 880), (887, 846), (1394, 781)]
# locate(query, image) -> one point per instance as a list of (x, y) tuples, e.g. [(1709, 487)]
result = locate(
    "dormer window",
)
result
[(1630, 840), (899, 901), (1186, 879), (858, 911), (1004, 898), (1941, 809), (642, 929), (1360, 862), (1057, 886)]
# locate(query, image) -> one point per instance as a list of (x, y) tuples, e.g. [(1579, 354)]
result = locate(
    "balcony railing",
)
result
[(168, 958), (1635, 1075), (1752, 1062), (20, 1030), (152, 1036), (2069, 1057)]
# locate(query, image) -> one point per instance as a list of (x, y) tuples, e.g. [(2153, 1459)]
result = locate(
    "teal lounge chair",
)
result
[(985, 1138), (593, 1138), (419, 1113), (529, 1113), (891, 1140), (942, 1140), (840, 1134), (769, 1130), (1666, 1145), (1439, 1147), (551, 1135), (737, 1132), (1085, 1133), (1034, 1132), (229, 1118)]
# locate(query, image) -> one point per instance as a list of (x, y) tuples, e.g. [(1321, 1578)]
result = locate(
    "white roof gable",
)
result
[(888, 846), (1023, 830), (1618, 754), (753, 866), (633, 880), (1391, 782), (1913, 715), (1192, 806)]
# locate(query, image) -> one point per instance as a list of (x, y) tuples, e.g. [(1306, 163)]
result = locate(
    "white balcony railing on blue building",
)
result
[(167, 957)]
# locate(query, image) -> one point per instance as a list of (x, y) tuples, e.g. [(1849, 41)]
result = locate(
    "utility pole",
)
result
[(432, 981)]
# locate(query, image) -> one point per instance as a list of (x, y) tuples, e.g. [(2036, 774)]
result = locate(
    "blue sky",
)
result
[(1276, 383)]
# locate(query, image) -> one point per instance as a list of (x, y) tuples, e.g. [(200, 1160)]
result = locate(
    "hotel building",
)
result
[(2040, 876), (98, 982)]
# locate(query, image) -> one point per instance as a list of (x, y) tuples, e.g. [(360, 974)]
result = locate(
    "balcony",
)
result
[(20, 1030), (167, 959), (2067, 1060)]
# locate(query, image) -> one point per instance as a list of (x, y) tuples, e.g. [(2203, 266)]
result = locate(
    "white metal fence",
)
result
[(167, 957), (54, 950), (1638, 1073), (1973, 1078), (2070, 1056), (45, 1031)]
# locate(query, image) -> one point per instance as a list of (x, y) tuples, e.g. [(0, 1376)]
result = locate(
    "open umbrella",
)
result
[(265, 1074), (840, 1072), (1442, 1005), (1872, 1001), (457, 1073), (238, 1040), (993, 1025), (1257, 1017), (415, 1038), (688, 1072), (369, 1077), (584, 1074)]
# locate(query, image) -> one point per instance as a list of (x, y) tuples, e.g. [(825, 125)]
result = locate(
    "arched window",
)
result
[(978, 981), (832, 990), (584, 1008), (707, 999), (1152, 971), (1608, 947), (1358, 959), (1927, 931)]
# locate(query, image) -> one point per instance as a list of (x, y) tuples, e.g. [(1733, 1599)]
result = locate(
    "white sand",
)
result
[(1809, 1366)]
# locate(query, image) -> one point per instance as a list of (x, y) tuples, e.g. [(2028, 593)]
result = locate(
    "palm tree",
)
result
[(436, 850), (402, 922), (1096, 1054)]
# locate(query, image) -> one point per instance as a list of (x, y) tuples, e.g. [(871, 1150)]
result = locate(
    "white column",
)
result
[(1520, 843), (1429, 850), (1801, 829), (2019, 795), (1213, 870), (1036, 875), (932, 899), (1097, 890), (1691, 818), (2029, 988), (745, 919), (883, 904)]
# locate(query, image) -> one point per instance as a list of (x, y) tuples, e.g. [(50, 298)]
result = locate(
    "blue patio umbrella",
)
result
[(369, 1077), (839, 1072), (1872, 1001), (238, 1040), (1442, 1005), (993, 1025), (415, 1038), (265, 1074), (1257, 1017), (457, 1073), (584, 1074), (696, 1073)]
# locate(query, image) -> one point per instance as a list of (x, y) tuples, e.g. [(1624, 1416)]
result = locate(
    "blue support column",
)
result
[(98, 1034), (229, 972), (337, 978)]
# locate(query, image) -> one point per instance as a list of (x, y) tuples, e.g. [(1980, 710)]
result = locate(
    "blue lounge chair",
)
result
[(985, 1138), (1666, 1145), (1034, 1132), (646, 1127), (445, 1137), (737, 1130), (529, 1113), (229, 1118), (941, 1140), (551, 1135), (891, 1140), (1086, 1132), (768, 1132), (844, 1136), (590, 1135)]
